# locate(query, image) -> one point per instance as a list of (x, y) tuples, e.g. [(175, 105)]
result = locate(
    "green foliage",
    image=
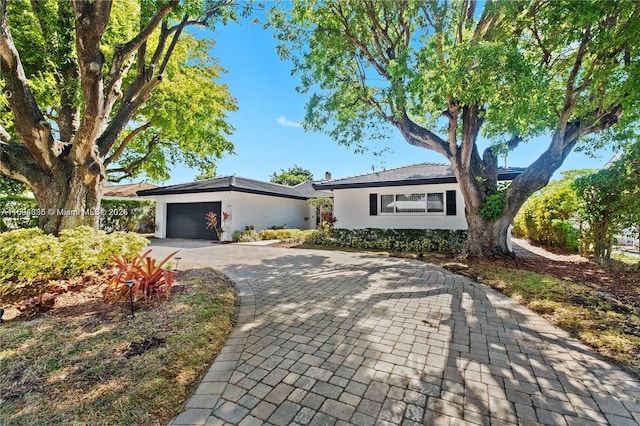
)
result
[(292, 176), (547, 217), (26, 254), (281, 234), (187, 116), (120, 243), (185, 121), (415, 240), (79, 247), (324, 204), (384, 59), (209, 173), (127, 215), (609, 200), (18, 213), (493, 206), (289, 235), (11, 187), (119, 215), (29, 253), (247, 236), (318, 238), (446, 74)]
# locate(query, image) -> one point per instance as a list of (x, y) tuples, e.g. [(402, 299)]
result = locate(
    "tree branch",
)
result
[(17, 162), (148, 77), (130, 169), (123, 51), (172, 46), (5, 136), (419, 136), (91, 23), (118, 152), (31, 127), (380, 68), (471, 124)]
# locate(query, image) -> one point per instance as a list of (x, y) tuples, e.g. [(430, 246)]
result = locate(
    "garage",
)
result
[(187, 220)]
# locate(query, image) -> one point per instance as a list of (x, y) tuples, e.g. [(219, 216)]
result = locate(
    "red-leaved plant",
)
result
[(148, 275)]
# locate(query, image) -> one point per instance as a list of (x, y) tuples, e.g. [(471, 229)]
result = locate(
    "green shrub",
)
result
[(79, 249), (18, 213), (127, 215), (126, 244), (565, 235), (245, 236), (281, 234), (316, 237), (26, 254), (416, 240)]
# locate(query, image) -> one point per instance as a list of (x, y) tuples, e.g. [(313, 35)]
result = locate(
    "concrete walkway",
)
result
[(329, 338)]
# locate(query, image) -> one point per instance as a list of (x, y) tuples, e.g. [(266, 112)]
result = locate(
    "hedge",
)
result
[(26, 254), (118, 215), (415, 240)]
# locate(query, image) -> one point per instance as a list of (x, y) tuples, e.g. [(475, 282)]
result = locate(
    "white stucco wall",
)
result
[(351, 208), (261, 211), (264, 211)]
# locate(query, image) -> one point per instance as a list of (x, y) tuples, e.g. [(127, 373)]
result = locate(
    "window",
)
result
[(435, 202), (387, 204), (412, 203)]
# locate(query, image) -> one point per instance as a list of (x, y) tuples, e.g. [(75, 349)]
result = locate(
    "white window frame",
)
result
[(425, 194)]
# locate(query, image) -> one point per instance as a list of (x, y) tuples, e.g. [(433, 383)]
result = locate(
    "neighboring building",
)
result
[(181, 209), (420, 196), (125, 191)]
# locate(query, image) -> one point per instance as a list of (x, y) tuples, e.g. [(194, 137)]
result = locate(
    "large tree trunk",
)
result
[(69, 197), (488, 236)]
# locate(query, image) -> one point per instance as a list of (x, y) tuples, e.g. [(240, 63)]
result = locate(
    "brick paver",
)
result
[(344, 338)]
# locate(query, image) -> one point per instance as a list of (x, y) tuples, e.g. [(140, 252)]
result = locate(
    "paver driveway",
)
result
[(341, 338)]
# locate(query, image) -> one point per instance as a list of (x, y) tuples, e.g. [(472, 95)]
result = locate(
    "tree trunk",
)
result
[(487, 236), (602, 241), (68, 198)]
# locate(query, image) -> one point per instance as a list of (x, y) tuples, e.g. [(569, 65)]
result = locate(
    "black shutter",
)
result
[(373, 204), (451, 203)]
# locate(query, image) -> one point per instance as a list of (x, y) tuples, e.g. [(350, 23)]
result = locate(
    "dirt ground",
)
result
[(620, 280)]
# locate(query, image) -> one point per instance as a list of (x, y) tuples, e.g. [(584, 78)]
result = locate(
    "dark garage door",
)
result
[(187, 220)]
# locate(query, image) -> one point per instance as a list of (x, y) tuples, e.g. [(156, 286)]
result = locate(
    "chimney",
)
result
[(327, 175)]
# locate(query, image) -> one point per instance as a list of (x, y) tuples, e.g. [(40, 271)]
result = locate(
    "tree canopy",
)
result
[(445, 74), (185, 121), (92, 88), (292, 176)]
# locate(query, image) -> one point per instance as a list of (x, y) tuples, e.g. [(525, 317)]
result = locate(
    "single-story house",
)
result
[(238, 203), (419, 196)]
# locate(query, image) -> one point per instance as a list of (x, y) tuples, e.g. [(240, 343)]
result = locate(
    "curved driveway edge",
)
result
[(327, 338)]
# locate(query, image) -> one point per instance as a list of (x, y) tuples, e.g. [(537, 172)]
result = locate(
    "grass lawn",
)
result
[(93, 364), (603, 322)]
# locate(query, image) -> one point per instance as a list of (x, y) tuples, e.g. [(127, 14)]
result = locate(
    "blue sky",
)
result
[(268, 136)]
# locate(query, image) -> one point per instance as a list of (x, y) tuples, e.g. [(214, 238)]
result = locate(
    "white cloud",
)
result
[(285, 122)]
